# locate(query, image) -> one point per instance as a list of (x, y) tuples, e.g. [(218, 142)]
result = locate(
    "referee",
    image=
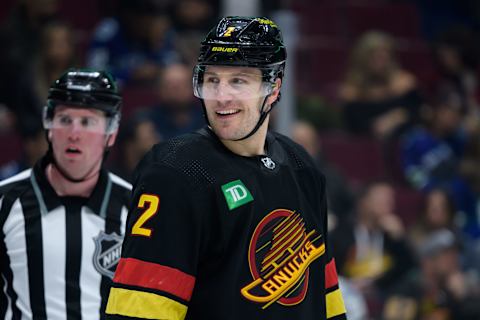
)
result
[(62, 222)]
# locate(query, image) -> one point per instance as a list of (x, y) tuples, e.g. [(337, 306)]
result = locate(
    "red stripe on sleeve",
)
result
[(331, 278), (150, 275)]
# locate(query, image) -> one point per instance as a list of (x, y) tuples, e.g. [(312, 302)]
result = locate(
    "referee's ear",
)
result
[(111, 138)]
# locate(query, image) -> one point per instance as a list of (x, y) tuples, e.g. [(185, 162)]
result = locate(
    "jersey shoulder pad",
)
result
[(190, 155)]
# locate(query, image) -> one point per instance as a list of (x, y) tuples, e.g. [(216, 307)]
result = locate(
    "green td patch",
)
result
[(236, 194)]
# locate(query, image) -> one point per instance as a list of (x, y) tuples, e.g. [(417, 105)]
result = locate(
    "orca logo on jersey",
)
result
[(279, 257), (108, 248)]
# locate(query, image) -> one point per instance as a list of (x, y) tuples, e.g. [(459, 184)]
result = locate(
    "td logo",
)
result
[(236, 194)]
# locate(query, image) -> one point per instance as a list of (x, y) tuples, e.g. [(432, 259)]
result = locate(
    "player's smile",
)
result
[(226, 113)]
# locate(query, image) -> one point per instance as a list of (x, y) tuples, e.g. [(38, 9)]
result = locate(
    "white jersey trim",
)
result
[(18, 177), (116, 179)]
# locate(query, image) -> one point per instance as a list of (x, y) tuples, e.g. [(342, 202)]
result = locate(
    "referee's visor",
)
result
[(97, 122)]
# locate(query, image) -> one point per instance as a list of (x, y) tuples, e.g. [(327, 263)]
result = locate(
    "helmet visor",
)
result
[(212, 82), (94, 123)]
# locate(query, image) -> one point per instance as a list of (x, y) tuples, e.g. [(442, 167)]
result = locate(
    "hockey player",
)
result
[(229, 222)]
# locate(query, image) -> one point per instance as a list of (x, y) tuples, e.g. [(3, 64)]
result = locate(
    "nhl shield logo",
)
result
[(108, 248), (268, 163)]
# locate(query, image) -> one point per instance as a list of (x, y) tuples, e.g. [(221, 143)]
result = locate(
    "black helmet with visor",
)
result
[(84, 88), (254, 42)]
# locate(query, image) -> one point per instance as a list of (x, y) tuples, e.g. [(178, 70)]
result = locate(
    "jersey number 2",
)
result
[(153, 201)]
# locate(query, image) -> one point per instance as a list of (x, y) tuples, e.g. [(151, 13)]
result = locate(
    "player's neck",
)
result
[(64, 187), (252, 146)]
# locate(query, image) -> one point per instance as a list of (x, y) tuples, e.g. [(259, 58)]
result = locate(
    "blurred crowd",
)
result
[(405, 223)]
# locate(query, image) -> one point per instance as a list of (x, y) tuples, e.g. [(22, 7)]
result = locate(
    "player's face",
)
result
[(78, 140), (233, 99)]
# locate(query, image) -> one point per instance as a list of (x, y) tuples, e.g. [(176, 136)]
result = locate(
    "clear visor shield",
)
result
[(222, 82), (94, 123)]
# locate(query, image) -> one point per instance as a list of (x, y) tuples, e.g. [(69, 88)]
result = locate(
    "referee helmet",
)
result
[(84, 88)]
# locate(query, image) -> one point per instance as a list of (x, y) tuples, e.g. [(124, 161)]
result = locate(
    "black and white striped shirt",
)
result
[(58, 254)]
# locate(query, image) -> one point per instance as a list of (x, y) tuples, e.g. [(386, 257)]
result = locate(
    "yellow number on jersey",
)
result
[(228, 32), (153, 201)]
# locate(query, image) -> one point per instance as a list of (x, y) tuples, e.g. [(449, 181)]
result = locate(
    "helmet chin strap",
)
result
[(263, 116)]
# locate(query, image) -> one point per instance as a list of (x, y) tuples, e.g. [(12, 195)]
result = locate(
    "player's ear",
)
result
[(276, 91)]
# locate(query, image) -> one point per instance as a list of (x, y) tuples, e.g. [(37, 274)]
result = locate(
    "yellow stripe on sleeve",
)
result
[(145, 305), (335, 305)]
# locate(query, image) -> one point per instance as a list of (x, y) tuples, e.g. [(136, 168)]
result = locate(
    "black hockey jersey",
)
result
[(214, 235)]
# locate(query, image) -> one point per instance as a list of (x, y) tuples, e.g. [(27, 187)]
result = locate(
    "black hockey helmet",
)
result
[(245, 41), (85, 88)]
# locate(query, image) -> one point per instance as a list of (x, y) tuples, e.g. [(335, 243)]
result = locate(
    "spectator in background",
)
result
[(441, 290), (339, 195), (471, 158), (34, 146), (431, 156), (136, 45), (57, 53), (7, 119), (177, 111), (379, 98), (136, 137), (192, 19), (21, 32), (20, 37), (372, 250), (194, 15), (438, 213), (456, 53)]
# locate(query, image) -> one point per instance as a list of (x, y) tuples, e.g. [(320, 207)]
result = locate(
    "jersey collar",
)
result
[(274, 151)]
